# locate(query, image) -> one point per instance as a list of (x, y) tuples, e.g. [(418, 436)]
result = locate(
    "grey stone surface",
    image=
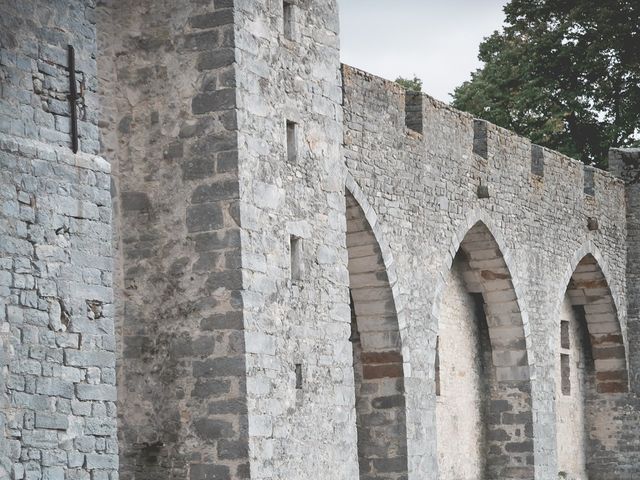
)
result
[(283, 230), (427, 202), (55, 249), (45, 363), (167, 76)]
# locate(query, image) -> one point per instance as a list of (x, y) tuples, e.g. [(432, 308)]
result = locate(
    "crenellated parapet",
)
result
[(420, 118)]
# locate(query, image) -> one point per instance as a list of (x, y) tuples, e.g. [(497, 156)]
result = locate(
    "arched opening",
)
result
[(590, 368), (483, 405), (377, 356)]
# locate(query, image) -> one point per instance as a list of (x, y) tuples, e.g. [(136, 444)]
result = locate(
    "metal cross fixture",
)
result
[(73, 99)]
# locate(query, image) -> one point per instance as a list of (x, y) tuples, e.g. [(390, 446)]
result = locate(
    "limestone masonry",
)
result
[(262, 264)]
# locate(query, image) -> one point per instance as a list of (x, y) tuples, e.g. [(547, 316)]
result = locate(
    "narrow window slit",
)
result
[(292, 144), (413, 111), (296, 259), (537, 160), (565, 373), (480, 146), (288, 19), (298, 376), (589, 184), (565, 340)]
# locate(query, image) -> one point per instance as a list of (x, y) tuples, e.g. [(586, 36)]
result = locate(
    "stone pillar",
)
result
[(296, 297), (168, 81)]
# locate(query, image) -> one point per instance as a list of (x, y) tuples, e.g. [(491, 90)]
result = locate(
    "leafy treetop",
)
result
[(413, 85), (565, 73)]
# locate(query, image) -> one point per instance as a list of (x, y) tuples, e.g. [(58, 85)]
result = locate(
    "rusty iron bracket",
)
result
[(73, 99)]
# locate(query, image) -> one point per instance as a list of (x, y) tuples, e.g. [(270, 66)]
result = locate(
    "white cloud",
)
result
[(433, 39)]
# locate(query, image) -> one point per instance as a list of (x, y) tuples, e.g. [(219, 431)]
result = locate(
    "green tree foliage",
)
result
[(413, 85), (565, 73)]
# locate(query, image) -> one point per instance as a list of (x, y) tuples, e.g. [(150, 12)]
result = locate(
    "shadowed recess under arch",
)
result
[(591, 370), (377, 353), (589, 290), (506, 419)]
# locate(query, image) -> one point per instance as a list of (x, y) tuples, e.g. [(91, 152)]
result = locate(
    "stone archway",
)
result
[(377, 353), (485, 389), (589, 290), (591, 367)]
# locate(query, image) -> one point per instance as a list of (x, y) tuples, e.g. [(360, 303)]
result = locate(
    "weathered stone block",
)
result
[(219, 367), (99, 461), (232, 449), (210, 430), (135, 201), (213, 19), (204, 217), (78, 358), (214, 101), (208, 472), (224, 190), (213, 59), (51, 421), (96, 392), (210, 388)]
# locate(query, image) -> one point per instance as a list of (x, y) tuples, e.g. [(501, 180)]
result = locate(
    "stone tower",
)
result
[(57, 342), (226, 155)]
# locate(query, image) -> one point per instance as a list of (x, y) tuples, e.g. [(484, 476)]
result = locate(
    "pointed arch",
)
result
[(473, 218), (589, 290), (591, 363), (377, 349), (352, 188), (503, 397)]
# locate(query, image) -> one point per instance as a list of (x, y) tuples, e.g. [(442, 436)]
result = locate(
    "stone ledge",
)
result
[(33, 149), (390, 88)]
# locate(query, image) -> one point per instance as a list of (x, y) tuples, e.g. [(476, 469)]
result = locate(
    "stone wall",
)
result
[(571, 384), (377, 357), (168, 82), (429, 188), (461, 402), (57, 344), (619, 455), (34, 79), (297, 316), (285, 232), (625, 163)]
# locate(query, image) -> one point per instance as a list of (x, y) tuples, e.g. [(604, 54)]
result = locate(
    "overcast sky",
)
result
[(437, 40)]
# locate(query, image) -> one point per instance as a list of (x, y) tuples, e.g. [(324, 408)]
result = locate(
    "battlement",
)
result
[(401, 113)]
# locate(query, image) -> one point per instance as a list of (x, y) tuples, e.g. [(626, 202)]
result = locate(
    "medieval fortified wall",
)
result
[(263, 264)]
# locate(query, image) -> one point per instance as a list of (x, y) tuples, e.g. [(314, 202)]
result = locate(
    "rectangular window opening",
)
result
[(480, 140), (537, 160), (298, 376), (292, 146), (413, 111), (565, 340), (589, 183), (296, 259), (565, 374), (287, 16)]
